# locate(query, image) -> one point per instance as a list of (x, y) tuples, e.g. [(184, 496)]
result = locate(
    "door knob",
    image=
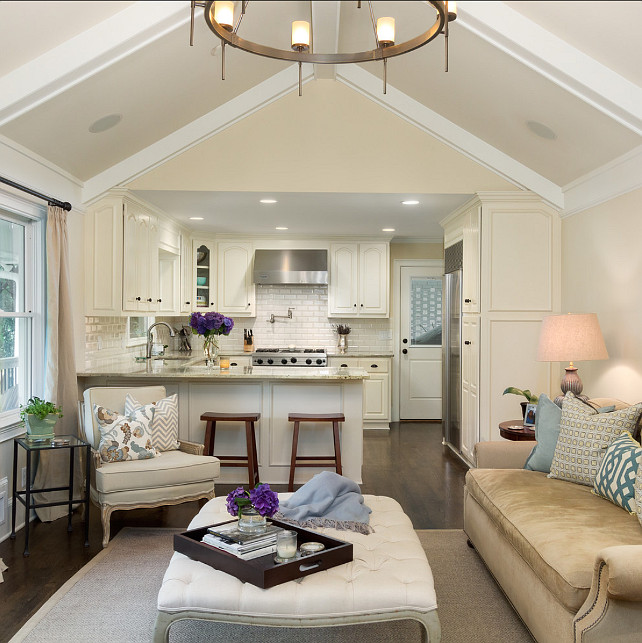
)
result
[(405, 351), (405, 341)]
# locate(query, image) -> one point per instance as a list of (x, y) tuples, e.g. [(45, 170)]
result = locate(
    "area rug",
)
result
[(113, 598)]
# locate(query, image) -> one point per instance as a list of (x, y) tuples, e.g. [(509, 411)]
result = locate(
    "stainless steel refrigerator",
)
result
[(451, 347)]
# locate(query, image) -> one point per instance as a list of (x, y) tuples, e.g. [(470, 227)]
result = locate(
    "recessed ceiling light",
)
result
[(268, 201), (196, 218), (410, 203), (541, 130), (280, 227), (105, 123), (387, 229)]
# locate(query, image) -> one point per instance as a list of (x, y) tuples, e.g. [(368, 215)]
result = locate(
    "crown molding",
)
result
[(197, 131), (622, 175), (86, 54), (555, 59), (450, 134)]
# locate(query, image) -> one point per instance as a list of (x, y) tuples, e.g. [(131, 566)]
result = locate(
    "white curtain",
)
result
[(60, 366)]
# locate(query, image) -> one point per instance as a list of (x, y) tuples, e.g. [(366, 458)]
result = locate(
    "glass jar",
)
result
[(251, 521)]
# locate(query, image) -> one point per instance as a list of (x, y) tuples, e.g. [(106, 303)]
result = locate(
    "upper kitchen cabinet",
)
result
[(359, 280), (203, 280), (187, 301), (235, 289)]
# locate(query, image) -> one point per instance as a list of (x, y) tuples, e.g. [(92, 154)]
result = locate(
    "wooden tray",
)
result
[(263, 571)]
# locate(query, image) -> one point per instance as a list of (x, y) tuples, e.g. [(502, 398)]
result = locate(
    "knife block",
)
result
[(248, 348)]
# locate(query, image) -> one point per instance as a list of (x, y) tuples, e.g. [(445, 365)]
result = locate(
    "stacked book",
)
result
[(245, 546)]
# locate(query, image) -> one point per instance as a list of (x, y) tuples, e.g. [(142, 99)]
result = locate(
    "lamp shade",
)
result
[(571, 338)]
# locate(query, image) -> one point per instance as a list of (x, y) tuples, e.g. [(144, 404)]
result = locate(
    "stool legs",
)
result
[(337, 447), (295, 445), (208, 442), (252, 459)]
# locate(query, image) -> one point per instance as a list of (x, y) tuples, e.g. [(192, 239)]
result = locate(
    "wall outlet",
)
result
[(4, 493), (24, 477)]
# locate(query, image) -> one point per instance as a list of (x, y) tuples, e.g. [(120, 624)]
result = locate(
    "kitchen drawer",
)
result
[(349, 362), (240, 360), (375, 365)]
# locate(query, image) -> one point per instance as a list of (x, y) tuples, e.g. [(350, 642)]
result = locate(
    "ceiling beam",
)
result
[(197, 131), (86, 54), (555, 59), (452, 135), (325, 34)]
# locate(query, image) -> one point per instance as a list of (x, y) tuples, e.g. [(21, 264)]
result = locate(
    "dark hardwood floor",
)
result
[(408, 463)]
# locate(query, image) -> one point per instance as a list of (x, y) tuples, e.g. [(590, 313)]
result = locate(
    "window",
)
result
[(137, 330), (21, 313)]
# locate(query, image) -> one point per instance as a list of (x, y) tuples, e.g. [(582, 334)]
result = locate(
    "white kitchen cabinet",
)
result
[(169, 283), (470, 384), (511, 281), (235, 288), (104, 258), (359, 280), (203, 276), (376, 389), (140, 260), (186, 297)]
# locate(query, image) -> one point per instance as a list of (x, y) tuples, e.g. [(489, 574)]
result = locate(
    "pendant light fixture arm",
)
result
[(374, 24)]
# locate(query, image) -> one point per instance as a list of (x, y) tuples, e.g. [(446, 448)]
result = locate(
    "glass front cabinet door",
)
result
[(203, 275)]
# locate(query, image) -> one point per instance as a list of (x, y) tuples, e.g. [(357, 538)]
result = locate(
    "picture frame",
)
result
[(529, 415)]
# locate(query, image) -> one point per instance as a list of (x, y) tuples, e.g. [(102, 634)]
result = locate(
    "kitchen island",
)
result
[(273, 392)]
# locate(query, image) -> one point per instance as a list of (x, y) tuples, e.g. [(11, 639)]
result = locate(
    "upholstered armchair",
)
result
[(171, 478)]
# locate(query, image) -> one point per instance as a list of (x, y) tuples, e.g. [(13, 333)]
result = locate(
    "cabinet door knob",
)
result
[(137, 298), (211, 303), (159, 300), (405, 351), (374, 365), (361, 305), (468, 343), (468, 301), (187, 303), (233, 364), (405, 341), (344, 366), (355, 305), (149, 300)]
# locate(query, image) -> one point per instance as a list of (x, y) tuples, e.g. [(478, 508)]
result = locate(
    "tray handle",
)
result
[(309, 566)]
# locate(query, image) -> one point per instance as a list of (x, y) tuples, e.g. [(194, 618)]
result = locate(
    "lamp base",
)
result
[(571, 382)]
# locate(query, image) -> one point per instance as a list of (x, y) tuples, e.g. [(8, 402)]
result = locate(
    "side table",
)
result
[(25, 497), (515, 430)]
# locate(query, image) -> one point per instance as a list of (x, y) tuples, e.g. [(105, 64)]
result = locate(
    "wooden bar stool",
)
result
[(250, 460), (328, 460)]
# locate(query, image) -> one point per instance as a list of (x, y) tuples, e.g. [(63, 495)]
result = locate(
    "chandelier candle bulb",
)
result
[(300, 35), (224, 14), (386, 31)]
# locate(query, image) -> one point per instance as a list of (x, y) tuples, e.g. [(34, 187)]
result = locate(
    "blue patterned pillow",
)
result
[(615, 479)]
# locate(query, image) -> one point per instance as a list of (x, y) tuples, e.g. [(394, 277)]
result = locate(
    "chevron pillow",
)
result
[(165, 422), (615, 479)]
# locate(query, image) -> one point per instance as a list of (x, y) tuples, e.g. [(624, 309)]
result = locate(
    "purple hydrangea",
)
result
[(210, 324), (264, 500), (232, 507)]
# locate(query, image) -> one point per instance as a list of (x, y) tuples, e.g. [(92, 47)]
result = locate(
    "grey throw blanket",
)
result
[(328, 500)]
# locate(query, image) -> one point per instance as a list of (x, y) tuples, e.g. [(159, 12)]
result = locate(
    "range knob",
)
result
[(308, 361), (284, 361), (270, 361), (259, 361), (319, 361), (293, 360)]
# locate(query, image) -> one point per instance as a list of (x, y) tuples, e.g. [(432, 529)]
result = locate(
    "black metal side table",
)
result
[(70, 442)]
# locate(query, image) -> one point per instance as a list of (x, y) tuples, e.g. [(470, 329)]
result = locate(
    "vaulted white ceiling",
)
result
[(516, 68)]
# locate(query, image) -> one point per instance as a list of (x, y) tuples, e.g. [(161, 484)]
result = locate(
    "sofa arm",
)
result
[(191, 447), (624, 563), (502, 454)]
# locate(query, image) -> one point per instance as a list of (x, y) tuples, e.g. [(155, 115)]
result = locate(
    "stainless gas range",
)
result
[(289, 357)]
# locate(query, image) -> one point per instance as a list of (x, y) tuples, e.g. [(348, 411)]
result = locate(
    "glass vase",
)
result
[(210, 350), (342, 344), (251, 521)]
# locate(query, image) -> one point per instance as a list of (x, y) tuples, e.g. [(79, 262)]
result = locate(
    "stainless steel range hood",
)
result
[(291, 267)]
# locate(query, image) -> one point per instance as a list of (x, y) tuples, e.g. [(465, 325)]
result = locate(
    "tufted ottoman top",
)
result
[(389, 573)]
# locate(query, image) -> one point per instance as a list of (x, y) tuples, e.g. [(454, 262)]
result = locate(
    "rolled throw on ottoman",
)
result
[(328, 500)]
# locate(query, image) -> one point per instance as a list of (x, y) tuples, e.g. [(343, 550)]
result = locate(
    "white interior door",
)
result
[(420, 349)]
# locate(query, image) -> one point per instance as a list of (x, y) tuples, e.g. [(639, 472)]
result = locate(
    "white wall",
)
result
[(602, 273)]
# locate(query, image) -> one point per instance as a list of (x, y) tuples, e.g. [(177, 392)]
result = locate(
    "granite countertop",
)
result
[(356, 353), (193, 368)]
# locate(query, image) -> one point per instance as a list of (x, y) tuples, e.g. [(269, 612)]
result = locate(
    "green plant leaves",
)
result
[(531, 397)]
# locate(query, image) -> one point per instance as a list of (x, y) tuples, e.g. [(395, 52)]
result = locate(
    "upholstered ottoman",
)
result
[(388, 579)]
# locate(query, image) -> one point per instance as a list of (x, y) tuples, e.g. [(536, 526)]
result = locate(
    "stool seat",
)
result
[(316, 417), (250, 460), (318, 460)]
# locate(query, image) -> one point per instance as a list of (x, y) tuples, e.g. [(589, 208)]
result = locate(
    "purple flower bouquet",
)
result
[(262, 498), (207, 324)]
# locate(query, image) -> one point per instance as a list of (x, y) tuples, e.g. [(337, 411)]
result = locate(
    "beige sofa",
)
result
[(569, 561)]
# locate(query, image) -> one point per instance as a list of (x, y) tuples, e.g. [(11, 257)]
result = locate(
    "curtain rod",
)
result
[(65, 205)]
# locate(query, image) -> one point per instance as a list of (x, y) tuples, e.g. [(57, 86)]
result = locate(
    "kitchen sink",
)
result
[(173, 358)]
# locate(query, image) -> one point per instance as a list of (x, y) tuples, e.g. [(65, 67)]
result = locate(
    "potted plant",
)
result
[(530, 397), (40, 417)]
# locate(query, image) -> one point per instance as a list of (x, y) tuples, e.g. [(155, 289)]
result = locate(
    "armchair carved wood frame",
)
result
[(172, 478)]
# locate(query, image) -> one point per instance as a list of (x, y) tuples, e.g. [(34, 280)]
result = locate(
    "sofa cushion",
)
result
[(547, 430), (164, 422), (615, 479), (555, 526), (584, 436), (170, 469), (125, 437)]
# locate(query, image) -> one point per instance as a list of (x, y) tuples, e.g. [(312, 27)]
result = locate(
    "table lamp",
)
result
[(572, 338)]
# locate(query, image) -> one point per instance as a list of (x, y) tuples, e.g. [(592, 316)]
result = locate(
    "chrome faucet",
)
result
[(150, 340)]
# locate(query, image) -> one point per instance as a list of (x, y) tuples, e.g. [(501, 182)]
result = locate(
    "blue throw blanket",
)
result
[(328, 500)]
